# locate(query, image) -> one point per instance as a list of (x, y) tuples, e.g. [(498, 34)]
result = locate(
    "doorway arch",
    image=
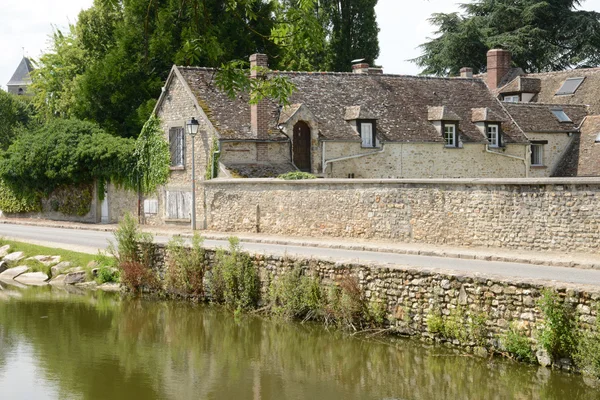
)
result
[(301, 146)]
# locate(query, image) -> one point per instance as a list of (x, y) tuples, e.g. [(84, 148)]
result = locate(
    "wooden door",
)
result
[(301, 146)]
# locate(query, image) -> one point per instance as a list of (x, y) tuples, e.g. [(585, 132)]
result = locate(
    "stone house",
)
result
[(21, 79), (367, 124)]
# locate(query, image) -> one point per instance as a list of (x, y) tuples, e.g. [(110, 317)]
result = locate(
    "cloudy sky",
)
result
[(403, 24)]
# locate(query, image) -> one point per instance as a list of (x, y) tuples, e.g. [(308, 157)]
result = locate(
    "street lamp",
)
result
[(192, 129)]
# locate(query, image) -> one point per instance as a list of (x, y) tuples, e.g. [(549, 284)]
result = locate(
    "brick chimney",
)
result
[(498, 65), (360, 68), (259, 113), (466, 72)]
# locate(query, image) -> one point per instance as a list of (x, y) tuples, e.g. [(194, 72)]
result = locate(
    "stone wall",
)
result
[(411, 295), (534, 214), (426, 160)]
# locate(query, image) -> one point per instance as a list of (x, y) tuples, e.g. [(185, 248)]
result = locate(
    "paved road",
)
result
[(91, 241)]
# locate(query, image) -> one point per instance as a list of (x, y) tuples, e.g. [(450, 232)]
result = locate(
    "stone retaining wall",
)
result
[(534, 214), (411, 295)]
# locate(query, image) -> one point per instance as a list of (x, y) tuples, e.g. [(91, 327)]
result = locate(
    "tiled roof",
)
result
[(442, 113), (485, 114), (21, 76), (589, 150), (536, 117), (522, 84), (551, 82), (399, 103)]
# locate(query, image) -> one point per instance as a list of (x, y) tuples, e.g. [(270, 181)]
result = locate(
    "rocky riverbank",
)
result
[(18, 268)]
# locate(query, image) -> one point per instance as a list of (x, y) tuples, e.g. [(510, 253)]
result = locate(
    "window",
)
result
[(367, 133), (598, 138), (493, 135), (179, 205), (537, 154), (513, 98), (150, 206), (177, 146), (570, 86), (450, 135), (560, 114)]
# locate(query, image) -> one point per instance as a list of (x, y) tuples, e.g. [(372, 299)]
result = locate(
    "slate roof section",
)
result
[(21, 76), (522, 84), (589, 150), (399, 103), (536, 117), (442, 113), (485, 114)]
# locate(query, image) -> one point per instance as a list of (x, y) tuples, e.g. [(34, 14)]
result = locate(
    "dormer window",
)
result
[(493, 135), (450, 137), (512, 98), (570, 86), (366, 129), (598, 138)]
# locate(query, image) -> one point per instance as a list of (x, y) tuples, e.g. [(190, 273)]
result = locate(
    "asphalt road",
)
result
[(91, 241)]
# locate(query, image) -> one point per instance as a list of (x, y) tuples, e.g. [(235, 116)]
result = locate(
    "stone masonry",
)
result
[(532, 214)]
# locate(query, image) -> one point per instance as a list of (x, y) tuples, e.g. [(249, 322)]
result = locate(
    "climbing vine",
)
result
[(153, 157), (11, 202), (213, 160)]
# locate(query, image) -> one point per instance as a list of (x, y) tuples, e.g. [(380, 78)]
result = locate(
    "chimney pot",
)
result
[(498, 64), (466, 72)]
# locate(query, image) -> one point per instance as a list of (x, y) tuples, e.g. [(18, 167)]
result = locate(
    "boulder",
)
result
[(95, 272), (60, 267), (110, 287), (16, 256), (58, 280), (33, 278), (87, 285), (543, 358), (93, 264), (12, 273), (4, 250), (46, 260), (75, 277), (3, 266)]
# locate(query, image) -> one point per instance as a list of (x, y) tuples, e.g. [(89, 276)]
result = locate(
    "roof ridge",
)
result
[(564, 71)]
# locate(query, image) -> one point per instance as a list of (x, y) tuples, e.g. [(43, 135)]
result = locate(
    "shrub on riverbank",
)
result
[(233, 280), (186, 266), (134, 252), (518, 345), (558, 334)]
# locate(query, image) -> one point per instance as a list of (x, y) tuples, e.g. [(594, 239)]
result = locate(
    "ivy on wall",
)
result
[(213, 160), (152, 157), (11, 202), (72, 200)]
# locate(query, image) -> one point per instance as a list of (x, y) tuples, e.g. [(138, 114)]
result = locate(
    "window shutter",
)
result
[(181, 146), (173, 145)]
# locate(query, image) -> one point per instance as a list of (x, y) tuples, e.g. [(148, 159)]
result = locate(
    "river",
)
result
[(56, 344)]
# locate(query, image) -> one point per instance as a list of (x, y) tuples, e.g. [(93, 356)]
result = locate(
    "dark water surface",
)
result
[(60, 345)]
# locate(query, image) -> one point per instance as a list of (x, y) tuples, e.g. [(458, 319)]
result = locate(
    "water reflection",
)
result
[(98, 346)]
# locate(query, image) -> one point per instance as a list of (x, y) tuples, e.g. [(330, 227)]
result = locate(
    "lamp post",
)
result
[(192, 129)]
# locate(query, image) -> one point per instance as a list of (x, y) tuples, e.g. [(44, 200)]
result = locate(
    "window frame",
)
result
[(359, 125), (558, 113), (179, 132), (455, 140), (540, 146), (559, 92), (505, 98), (498, 134)]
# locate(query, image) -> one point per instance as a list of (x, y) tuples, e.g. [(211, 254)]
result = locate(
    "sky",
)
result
[(403, 27)]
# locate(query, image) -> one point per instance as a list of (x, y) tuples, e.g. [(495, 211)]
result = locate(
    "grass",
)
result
[(75, 258)]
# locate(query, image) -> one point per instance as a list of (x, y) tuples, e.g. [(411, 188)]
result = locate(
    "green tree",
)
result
[(353, 32), (15, 113), (542, 36)]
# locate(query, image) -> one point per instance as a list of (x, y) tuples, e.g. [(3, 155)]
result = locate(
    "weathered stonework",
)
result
[(411, 295), (533, 214)]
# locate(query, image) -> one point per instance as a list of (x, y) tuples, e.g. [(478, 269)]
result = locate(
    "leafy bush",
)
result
[(186, 266), (108, 275), (558, 334), (134, 252), (296, 175), (66, 152), (12, 202), (518, 344), (297, 296), (587, 356), (234, 279), (435, 322)]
